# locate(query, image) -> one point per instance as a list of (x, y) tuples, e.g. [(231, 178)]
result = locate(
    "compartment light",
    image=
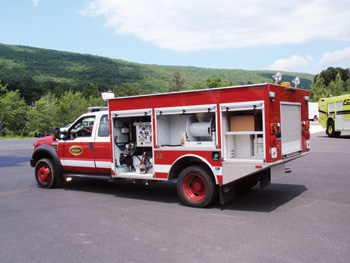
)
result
[(296, 81), (107, 95), (277, 77)]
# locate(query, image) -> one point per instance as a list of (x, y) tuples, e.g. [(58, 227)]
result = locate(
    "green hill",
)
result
[(35, 71)]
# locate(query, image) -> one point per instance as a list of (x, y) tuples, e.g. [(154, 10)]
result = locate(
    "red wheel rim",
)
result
[(44, 174), (194, 187)]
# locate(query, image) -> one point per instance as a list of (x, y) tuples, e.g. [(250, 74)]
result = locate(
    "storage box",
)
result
[(242, 123)]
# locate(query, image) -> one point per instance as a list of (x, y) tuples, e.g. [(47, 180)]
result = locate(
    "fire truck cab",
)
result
[(211, 141)]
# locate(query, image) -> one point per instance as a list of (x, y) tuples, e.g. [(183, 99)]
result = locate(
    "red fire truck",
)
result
[(211, 141)]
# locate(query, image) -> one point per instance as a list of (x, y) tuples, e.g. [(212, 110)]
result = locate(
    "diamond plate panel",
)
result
[(277, 172), (235, 170)]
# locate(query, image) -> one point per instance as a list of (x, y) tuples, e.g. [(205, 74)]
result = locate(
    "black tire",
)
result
[(196, 187), (45, 174), (330, 129)]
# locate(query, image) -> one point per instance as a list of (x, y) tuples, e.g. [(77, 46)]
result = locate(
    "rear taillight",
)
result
[(273, 140), (275, 135), (305, 129)]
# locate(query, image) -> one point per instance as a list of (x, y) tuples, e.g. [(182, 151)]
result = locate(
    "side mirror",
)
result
[(56, 134)]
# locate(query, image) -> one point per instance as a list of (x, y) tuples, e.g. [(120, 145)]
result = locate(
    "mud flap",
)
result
[(265, 178), (227, 193)]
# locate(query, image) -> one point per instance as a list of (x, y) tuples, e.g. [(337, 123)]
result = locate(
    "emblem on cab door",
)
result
[(159, 155), (76, 150)]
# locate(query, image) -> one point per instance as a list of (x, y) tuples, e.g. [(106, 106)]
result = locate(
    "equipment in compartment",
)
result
[(121, 134), (143, 134), (199, 131), (183, 129), (243, 134), (133, 140)]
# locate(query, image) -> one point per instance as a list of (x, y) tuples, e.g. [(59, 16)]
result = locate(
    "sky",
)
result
[(305, 36)]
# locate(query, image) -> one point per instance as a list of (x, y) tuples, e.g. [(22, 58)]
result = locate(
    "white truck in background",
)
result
[(313, 111)]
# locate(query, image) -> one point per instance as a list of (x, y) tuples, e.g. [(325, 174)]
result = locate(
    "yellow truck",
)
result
[(334, 114)]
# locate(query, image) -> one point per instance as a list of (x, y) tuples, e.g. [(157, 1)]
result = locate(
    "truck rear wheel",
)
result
[(45, 173), (196, 187)]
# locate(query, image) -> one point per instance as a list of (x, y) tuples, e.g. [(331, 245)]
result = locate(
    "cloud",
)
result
[(188, 25), (35, 2), (335, 58), (294, 63)]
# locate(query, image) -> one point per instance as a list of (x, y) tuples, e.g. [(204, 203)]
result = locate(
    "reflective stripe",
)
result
[(90, 164), (103, 164), (159, 168)]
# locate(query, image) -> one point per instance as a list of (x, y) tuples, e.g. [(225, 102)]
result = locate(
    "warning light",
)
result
[(273, 128), (306, 125)]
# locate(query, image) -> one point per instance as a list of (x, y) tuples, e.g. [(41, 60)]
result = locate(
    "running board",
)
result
[(90, 176)]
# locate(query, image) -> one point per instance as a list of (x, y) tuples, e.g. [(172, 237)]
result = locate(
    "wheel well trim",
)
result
[(46, 151), (200, 158), (330, 119)]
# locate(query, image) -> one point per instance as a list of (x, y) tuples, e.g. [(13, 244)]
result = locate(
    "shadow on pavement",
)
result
[(9, 161), (265, 199), (258, 200)]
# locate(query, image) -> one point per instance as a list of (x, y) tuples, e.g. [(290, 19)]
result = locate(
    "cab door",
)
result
[(78, 149)]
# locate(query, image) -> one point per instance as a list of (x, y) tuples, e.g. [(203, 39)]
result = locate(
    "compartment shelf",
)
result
[(245, 133)]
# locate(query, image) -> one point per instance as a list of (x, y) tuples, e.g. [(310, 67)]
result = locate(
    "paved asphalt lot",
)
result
[(304, 217)]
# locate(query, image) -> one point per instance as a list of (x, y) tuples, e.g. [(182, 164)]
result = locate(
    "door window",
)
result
[(103, 129), (82, 128)]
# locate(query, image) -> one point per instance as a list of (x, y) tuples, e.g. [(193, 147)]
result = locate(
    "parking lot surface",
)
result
[(304, 217)]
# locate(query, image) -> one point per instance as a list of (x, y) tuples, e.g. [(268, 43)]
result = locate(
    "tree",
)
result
[(337, 87), (126, 90), (330, 74), (214, 82), (178, 81), (90, 90), (318, 89), (330, 82), (58, 91), (43, 117), (217, 82), (12, 112), (70, 106)]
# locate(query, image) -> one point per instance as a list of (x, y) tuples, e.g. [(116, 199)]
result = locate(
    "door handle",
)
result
[(91, 146)]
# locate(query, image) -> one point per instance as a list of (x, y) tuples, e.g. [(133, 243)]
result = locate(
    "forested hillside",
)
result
[(35, 71), (41, 89)]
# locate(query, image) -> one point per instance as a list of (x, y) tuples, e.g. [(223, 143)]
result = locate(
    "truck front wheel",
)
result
[(45, 173), (330, 130), (196, 187)]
